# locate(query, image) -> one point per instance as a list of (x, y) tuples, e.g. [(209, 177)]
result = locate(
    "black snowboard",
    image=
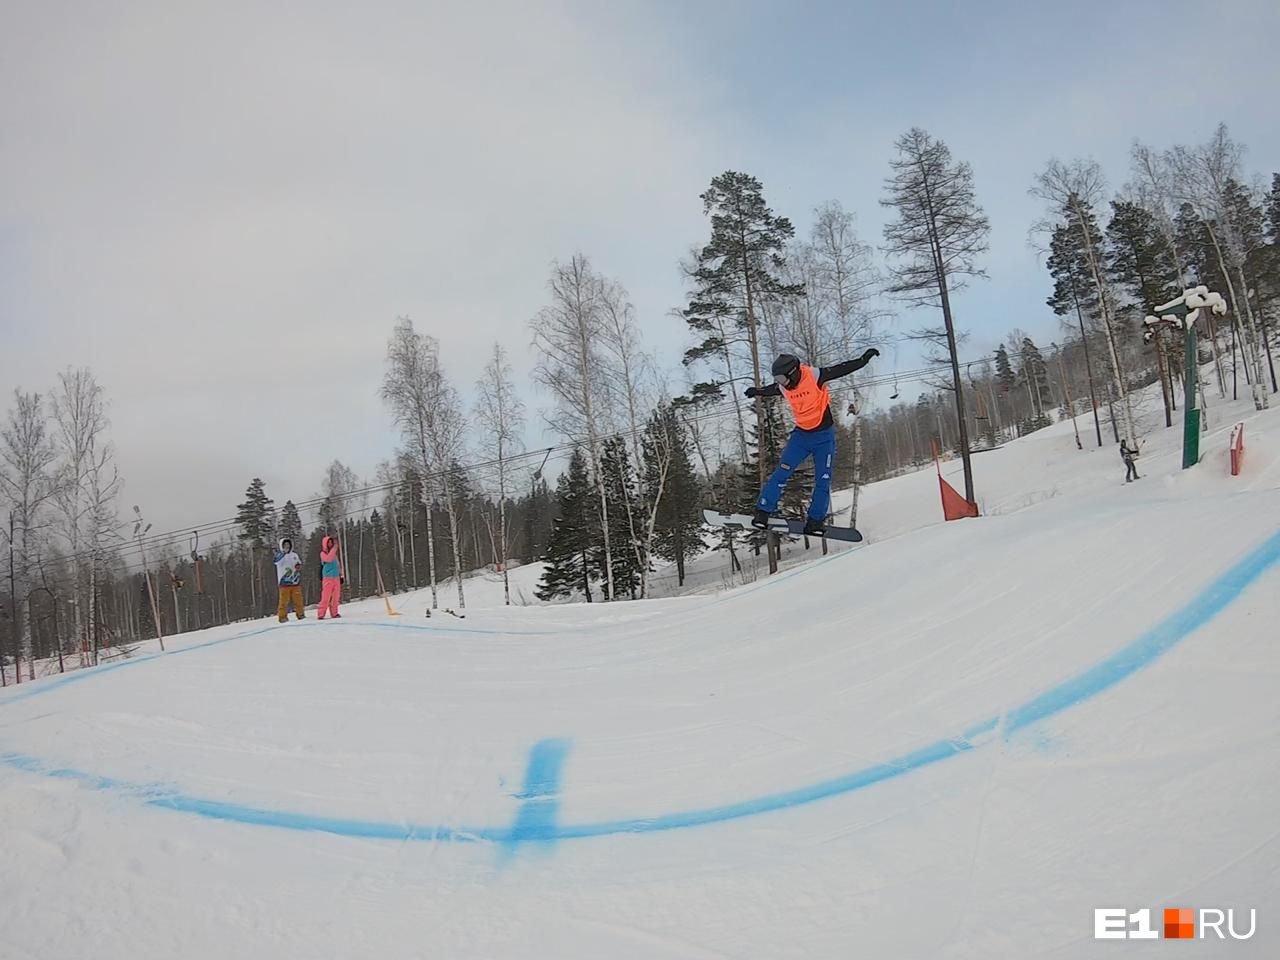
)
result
[(781, 525)]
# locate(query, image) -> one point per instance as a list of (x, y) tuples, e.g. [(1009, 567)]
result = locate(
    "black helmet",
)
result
[(786, 370)]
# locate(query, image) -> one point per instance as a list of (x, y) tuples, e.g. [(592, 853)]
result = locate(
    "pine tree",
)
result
[(620, 486), (257, 524), (1074, 295), (678, 521), (739, 268), (146, 621), (939, 232), (1005, 376), (1193, 237), (1246, 216), (290, 522), (1269, 268), (764, 450), (1072, 192), (538, 510), (1136, 257), (254, 515), (464, 497), (572, 555), (1035, 373), (383, 550), (1272, 208), (1266, 269)]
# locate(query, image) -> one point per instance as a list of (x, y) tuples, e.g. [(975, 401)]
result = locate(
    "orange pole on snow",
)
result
[(377, 569)]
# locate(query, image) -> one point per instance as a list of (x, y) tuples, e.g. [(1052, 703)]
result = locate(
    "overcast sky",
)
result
[(223, 207)]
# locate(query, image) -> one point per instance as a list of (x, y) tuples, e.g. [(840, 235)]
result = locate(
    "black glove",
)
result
[(750, 392), (342, 579), (869, 353)]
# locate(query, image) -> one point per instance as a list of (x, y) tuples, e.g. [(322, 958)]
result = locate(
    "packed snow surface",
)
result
[(954, 740)]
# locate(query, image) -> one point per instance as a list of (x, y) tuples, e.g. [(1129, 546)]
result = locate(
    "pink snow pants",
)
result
[(330, 594)]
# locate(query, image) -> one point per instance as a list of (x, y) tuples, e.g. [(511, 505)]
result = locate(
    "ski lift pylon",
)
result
[(981, 413)]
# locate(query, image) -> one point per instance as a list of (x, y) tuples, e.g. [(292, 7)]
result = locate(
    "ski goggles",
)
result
[(781, 379)]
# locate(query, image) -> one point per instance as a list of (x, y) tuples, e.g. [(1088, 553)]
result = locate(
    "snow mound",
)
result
[(956, 740)]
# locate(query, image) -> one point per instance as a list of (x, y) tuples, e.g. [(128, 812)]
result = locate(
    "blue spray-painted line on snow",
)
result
[(536, 818), (47, 685), (479, 631), (1139, 653), (15, 694)]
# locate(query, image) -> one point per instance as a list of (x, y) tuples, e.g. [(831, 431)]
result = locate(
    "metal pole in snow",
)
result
[(1190, 412)]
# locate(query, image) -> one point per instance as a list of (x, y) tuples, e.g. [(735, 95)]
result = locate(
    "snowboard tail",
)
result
[(779, 525)]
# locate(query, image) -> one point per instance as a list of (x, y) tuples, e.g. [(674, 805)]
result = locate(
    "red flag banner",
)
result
[(954, 506)]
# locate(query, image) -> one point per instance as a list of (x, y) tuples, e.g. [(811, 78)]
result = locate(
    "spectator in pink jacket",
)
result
[(331, 578)]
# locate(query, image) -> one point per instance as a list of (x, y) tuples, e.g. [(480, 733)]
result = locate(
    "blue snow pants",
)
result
[(802, 444)]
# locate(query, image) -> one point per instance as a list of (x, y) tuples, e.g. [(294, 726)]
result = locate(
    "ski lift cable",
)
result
[(144, 539)]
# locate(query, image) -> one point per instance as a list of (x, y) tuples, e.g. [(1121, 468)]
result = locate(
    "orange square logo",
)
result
[(1179, 924)]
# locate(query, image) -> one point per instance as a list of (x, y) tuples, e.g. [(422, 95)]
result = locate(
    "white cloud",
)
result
[(223, 211)]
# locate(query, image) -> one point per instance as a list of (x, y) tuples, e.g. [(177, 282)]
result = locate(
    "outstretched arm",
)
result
[(772, 390), (838, 370)]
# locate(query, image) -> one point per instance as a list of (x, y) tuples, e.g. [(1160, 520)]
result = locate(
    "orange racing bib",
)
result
[(808, 401)]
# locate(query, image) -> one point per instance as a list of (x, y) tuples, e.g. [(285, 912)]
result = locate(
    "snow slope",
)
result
[(956, 740)]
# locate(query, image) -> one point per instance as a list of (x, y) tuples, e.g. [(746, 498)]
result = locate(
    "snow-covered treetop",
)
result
[(1184, 311)]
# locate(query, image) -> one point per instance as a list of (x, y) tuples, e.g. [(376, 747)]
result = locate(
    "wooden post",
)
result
[(177, 613), (139, 530), (155, 607)]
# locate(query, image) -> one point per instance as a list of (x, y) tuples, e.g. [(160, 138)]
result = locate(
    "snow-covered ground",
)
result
[(956, 740)]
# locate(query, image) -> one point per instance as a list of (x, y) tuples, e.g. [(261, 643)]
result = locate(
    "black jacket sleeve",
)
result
[(838, 370), (770, 390)]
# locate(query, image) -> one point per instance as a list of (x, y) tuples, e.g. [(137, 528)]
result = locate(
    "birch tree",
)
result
[(1206, 176), (337, 488), (846, 283), (1151, 186), (500, 414), (86, 491), (103, 532), (445, 430), (1073, 192), (410, 388), (631, 376), (567, 333), (28, 483)]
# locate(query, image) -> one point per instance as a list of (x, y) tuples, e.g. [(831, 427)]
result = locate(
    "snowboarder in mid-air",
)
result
[(814, 435)]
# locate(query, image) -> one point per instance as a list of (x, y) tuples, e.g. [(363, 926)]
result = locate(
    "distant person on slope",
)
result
[(814, 435), (331, 578), (289, 577), (1128, 456)]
